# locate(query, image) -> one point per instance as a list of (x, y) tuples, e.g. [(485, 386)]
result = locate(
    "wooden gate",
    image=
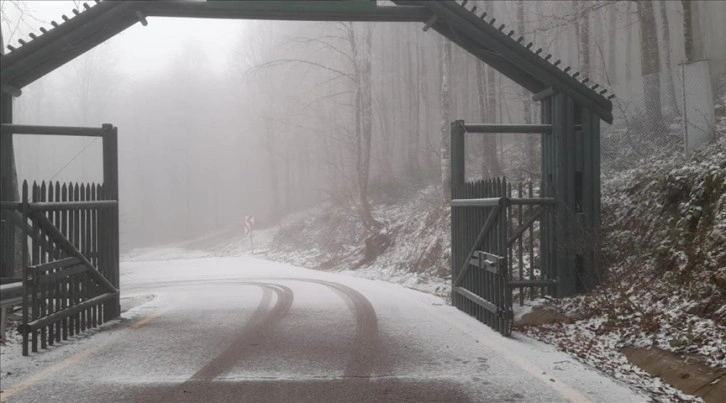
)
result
[(501, 241), (70, 247), (479, 258)]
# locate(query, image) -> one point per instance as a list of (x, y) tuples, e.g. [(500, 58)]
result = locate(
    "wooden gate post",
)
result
[(110, 235), (458, 168), (9, 236)]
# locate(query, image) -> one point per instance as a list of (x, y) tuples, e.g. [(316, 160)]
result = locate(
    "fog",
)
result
[(222, 119)]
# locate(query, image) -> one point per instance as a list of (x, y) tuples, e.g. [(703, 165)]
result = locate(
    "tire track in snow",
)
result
[(259, 325), (365, 346)]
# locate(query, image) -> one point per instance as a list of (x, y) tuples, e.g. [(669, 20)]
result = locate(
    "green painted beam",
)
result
[(342, 10), (285, 6)]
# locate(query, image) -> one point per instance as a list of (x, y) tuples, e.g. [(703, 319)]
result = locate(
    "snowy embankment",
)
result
[(332, 239), (664, 245)]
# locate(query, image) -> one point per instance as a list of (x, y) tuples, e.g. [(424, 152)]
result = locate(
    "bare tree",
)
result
[(361, 54), (650, 66), (530, 147), (688, 29), (670, 84), (445, 96)]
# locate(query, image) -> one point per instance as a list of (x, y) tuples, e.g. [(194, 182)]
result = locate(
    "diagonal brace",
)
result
[(491, 218), (538, 212), (72, 250)]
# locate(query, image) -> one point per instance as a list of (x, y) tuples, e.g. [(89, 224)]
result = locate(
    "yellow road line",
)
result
[(145, 321), (74, 359)]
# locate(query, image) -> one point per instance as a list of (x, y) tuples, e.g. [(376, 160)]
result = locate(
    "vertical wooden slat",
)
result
[(51, 256), (77, 243), (43, 311), (100, 246), (488, 289), (58, 286), (33, 289), (531, 241), (71, 222), (64, 282), (75, 278), (478, 275), (26, 263), (520, 243), (84, 250), (94, 250)]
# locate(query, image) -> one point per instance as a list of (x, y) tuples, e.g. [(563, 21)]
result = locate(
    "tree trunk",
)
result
[(487, 99), (612, 73), (650, 67), (688, 30), (628, 42), (364, 118), (423, 95), (269, 142), (582, 27), (414, 72), (530, 142), (445, 118), (670, 85)]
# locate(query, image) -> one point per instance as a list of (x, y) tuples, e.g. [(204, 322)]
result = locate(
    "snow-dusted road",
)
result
[(242, 329)]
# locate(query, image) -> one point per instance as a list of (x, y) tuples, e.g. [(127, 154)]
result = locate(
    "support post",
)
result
[(110, 232), (563, 121), (458, 168), (10, 240)]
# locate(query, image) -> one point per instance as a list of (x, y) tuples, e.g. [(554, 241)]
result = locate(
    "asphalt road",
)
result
[(244, 330)]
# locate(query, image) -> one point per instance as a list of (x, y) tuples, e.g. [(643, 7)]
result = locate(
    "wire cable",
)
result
[(73, 158)]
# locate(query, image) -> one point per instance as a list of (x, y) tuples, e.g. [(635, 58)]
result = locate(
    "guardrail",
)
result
[(10, 294)]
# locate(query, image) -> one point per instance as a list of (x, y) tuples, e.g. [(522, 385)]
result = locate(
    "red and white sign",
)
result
[(249, 223)]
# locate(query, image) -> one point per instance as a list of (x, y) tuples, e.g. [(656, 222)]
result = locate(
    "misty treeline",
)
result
[(349, 113)]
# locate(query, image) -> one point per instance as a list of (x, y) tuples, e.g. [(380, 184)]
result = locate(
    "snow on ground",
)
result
[(517, 361), (16, 367)]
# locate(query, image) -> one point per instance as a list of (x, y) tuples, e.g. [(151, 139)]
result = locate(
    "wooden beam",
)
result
[(54, 317), (290, 11), (10, 90), (532, 283), (55, 206), (51, 130), (141, 17), (477, 300), (544, 94), (484, 202), (507, 128)]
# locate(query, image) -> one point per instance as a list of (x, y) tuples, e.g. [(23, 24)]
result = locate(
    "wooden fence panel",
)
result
[(61, 297)]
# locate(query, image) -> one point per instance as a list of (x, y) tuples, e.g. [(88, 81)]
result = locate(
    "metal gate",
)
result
[(501, 240), (70, 247)]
